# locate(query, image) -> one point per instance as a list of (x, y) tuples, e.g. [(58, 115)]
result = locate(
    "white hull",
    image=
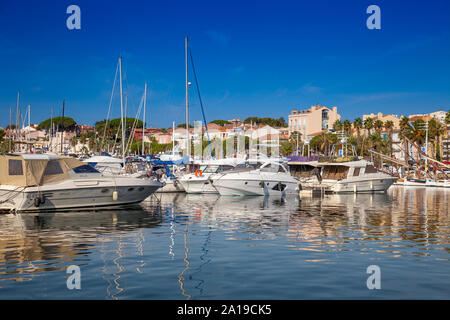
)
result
[(259, 182), (201, 184), (413, 183), (235, 187), (76, 194), (362, 186), (171, 186), (438, 183)]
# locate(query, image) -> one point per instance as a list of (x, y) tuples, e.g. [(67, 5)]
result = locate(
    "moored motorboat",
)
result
[(44, 182), (256, 179), (411, 182), (352, 176)]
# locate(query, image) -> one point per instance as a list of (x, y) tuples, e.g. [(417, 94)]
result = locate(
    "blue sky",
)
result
[(253, 58)]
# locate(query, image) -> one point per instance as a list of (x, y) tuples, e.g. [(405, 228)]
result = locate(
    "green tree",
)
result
[(221, 122), (337, 125), (368, 125), (378, 125), (358, 124), (389, 126), (69, 123), (347, 125)]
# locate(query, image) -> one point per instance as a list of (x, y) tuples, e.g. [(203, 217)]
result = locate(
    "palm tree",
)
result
[(378, 125), (337, 126), (358, 124), (74, 141), (405, 129), (389, 126), (347, 125), (417, 135), (368, 124), (435, 131), (447, 117)]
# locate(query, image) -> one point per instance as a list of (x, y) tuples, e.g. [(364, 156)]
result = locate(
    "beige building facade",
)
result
[(384, 118), (312, 120)]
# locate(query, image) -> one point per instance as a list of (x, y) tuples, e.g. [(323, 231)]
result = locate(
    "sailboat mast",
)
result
[(10, 120), (173, 140), (29, 124), (143, 120), (17, 116), (121, 110), (62, 126), (187, 98)]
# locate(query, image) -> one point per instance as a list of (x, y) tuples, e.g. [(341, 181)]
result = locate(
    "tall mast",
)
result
[(121, 110), (10, 120), (143, 120), (173, 140), (187, 98), (51, 129), (17, 116), (29, 124), (62, 127)]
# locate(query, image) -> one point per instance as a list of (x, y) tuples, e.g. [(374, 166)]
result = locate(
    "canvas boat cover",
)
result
[(34, 170)]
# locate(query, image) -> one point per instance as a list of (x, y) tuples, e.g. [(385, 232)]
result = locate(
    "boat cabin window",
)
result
[(249, 165), (52, 168), (371, 169), (273, 167), (15, 167), (85, 169), (223, 168), (356, 172)]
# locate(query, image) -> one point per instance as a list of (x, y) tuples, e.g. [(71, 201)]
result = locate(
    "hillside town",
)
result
[(308, 131)]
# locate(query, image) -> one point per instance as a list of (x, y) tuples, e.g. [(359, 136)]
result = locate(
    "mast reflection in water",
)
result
[(212, 247)]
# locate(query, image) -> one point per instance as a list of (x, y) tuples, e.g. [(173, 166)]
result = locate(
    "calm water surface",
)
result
[(212, 247)]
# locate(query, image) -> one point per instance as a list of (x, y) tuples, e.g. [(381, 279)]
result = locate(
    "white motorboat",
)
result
[(409, 182), (44, 182), (106, 164), (171, 184), (266, 178), (442, 183), (200, 181), (352, 176)]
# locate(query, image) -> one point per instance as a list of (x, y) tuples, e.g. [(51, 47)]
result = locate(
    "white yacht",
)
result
[(200, 181), (266, 178), (45, 182), (352, 176)]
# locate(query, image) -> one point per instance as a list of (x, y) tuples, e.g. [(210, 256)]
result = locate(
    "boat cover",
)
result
[(27, 171)]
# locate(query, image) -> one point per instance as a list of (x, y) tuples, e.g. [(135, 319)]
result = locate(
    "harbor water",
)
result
[(179, 246)]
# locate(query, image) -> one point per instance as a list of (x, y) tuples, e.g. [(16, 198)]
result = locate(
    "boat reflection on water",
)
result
[(194, 246), (50, 241)]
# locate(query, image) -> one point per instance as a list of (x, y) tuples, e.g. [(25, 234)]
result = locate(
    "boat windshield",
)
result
[(215, 168), (249, 165), (274, 167), (85, 169)]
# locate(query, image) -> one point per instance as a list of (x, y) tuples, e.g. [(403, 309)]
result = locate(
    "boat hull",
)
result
[(77, 195), (171, 186), (365, 186), (253, 187), (202, 184)]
